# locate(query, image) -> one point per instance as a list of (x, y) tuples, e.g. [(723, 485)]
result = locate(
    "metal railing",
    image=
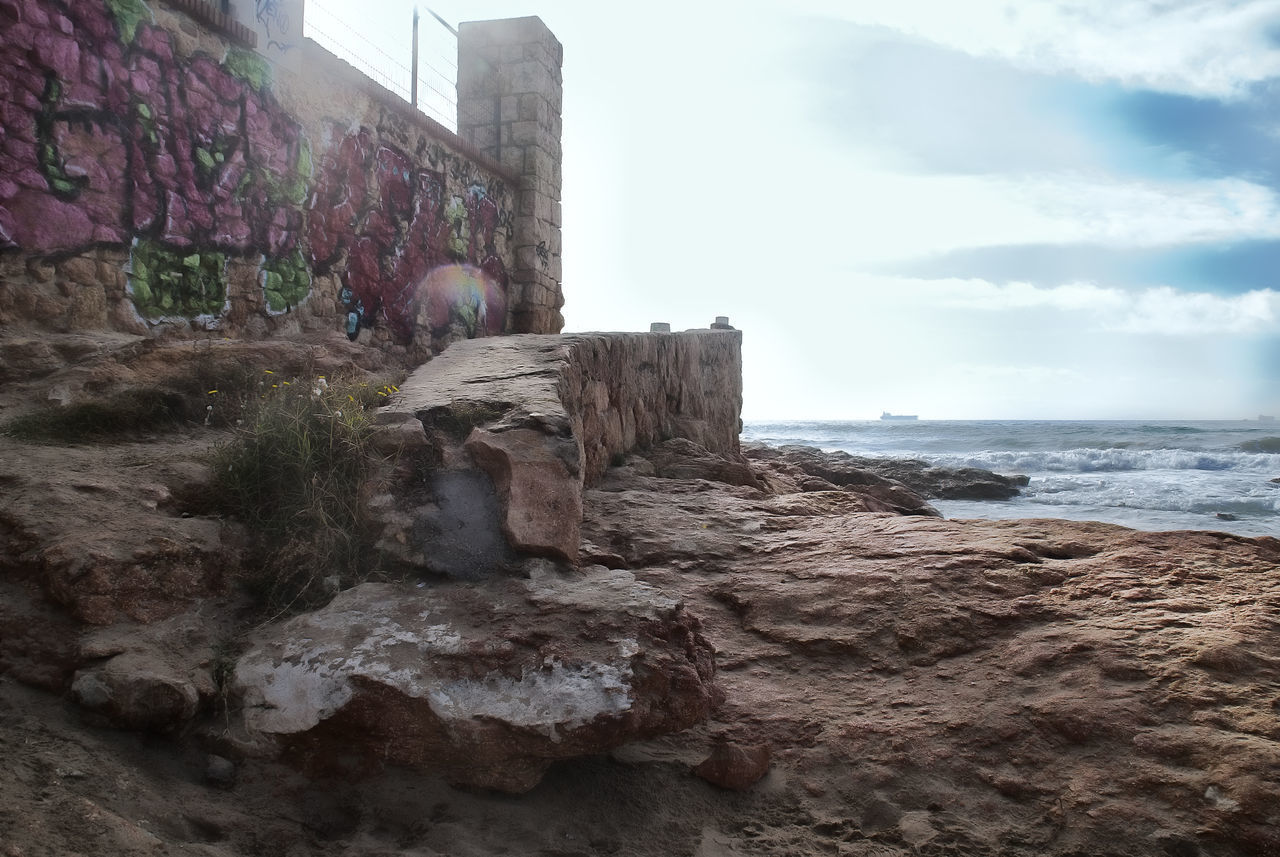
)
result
[(389, 44)]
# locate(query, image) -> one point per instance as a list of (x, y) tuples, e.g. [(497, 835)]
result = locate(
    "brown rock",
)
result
[(735, 766), (541, 498), (137, 692), (680, 458), (80, 270), (102, 546), (478, 681), (944, 483)]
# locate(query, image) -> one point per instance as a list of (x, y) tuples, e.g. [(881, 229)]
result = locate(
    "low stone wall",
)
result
[(625, 391), (543, 417)]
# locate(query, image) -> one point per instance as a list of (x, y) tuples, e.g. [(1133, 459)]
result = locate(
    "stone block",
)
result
[(80, 270), (88, 309), (534, 107), (528, 231), (539, 52), (537, 160), (505, 31), (541, 498), (513, 158), (484, 136), (528, 77), (527, 258), (509, 110), (556, 214), (525, 133)]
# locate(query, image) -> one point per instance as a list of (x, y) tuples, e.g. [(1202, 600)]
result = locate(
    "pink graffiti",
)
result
[(103, 142)]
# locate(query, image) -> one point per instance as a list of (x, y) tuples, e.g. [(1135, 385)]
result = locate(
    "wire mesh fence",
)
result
[(378, 40)]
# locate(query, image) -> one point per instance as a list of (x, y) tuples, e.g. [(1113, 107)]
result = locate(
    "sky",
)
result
[(962, 209)]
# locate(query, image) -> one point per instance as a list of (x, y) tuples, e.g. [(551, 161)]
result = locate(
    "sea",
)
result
[(1148, 475)]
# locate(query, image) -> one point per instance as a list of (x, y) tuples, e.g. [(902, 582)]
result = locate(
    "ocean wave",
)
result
[(1110, 460), (1241, 507), (1262, 444)]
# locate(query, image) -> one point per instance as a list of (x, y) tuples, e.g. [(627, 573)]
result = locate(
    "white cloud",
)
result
[(1134, 213), (1160, 311), (886, 217), (1173, 313), (1196, 47)]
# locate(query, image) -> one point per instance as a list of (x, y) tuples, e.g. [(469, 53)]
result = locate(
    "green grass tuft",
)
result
[(295, 473)]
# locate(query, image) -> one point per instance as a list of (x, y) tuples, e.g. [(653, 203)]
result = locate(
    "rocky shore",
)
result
[(775, 652)]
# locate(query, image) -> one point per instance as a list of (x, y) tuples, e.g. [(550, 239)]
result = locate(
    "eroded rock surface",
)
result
[(1012, 687), (105, 546), (488, 684)]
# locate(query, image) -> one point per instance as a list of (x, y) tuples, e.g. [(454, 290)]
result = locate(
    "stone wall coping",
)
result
[(318, 53), (208, 13)]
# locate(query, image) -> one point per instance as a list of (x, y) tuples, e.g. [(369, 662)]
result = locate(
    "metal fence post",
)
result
[(413, 90)]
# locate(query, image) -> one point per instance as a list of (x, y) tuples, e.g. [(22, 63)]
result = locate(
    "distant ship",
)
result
[(1266, 418), (888, 416)]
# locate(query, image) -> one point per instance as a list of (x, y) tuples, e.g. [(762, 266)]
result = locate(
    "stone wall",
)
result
[(628, 391), (158, 179), (543, 417)]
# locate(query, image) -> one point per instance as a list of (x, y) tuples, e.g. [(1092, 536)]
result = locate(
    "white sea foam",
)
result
[(1110, 460), (1174, 475)]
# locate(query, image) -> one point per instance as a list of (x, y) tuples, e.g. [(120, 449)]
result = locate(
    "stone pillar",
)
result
[(509, 101)]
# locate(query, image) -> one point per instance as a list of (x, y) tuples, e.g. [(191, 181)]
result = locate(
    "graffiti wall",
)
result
[(121, 134)]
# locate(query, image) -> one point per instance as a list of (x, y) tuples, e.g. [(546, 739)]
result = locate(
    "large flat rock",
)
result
[(488, 684)]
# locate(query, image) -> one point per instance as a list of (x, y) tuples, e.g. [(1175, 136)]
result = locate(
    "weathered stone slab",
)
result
[(487, 684)]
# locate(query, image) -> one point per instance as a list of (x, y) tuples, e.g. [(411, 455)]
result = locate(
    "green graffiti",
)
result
[(303, 166), (209, 159), (128, 14), (283, 190), (289, 189), (168, 283), (147, 122), (285, 281), (455, 214), (249, 67), (52, 166)]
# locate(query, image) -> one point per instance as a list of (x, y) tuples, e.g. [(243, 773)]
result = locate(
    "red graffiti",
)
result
[(388, 215), (107, 136)]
